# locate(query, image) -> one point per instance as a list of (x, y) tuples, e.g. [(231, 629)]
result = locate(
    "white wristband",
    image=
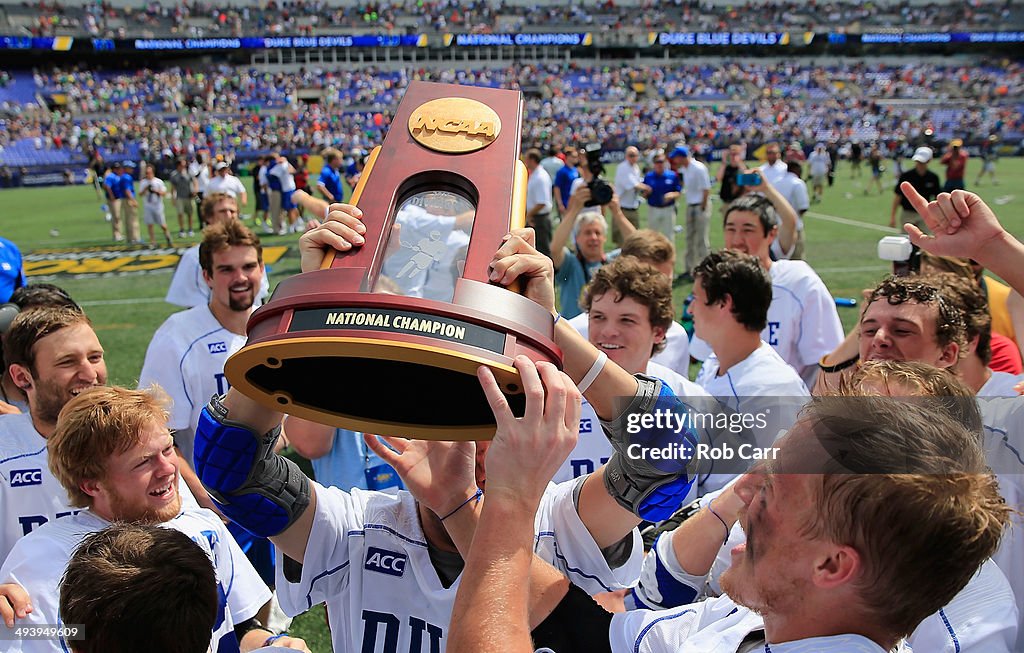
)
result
[(595, 369)]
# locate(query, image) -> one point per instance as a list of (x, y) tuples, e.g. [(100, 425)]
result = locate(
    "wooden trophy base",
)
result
[(388, 364)]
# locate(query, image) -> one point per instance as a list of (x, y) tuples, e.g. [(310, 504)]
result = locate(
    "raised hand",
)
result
[(518, 259), (342, 230), (527, 451), (962, 223), (441, 475)]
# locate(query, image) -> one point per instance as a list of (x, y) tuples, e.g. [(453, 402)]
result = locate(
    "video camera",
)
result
[(905, 256), (600, 191)]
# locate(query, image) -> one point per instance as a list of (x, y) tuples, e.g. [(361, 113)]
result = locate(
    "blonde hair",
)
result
[(95, 425)]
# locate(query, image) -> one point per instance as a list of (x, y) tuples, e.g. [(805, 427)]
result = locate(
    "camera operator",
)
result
[(588, 231), (591, 170)]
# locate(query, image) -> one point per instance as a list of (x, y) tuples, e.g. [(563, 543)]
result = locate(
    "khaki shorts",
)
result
[(183, 205)]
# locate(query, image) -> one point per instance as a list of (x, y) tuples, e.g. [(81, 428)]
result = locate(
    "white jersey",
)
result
[(695, 180), (229, 185), (367, 558), (283, 171), (186, 358), (761, 374), (714, 625), (538, 190), (201, 173), (762, 385), (593, 449), (1001, 384), (676, 354), (819, 163), (1003, 418), (38, 562), (30, 496), (981, 618), (152, 202), (188, 287), (803, 324)]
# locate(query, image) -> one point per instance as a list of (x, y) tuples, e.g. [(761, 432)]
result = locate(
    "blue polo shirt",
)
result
[(331, 180), (351, 463), (666, 182), (12, 273), (112, 180), (563, 180), (128, 185)]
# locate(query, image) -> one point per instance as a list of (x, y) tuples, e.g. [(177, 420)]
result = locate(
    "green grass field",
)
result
[(842, 233)]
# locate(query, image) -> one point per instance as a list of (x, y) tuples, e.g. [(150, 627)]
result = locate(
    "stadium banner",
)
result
[(55, 43), (719, 38), (115, 260), (54, 177), (275, 42), (569, 39), (941, 37)]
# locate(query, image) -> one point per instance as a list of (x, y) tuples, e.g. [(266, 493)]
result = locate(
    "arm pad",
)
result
[(260, 491), (652, 489)]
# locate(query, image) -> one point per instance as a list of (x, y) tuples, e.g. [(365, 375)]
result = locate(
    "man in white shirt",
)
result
[(819, 162), (188, 286), (836, 608), (731, 295), (794, 190), (697, 189), (538, 200), (281, 178), (774, 168), (53, 355), (776, 173), (200, 171), (115, 459), (653, 248), (152, 191), (187, 353), (803, 324), (628, 306), (227, 183), (629, 186)]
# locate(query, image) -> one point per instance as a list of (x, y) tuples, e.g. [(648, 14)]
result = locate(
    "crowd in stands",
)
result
[(131, 114), (199, 19)]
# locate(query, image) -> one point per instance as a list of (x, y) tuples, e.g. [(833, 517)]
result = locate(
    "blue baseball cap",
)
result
[(679, 151)]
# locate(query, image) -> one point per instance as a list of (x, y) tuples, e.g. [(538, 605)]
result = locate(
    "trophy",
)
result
[(387, 338)]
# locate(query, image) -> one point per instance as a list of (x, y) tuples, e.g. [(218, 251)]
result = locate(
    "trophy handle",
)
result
[(354, 200), (517, 217)]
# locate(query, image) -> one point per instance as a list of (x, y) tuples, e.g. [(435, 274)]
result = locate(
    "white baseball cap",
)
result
[(923, 155)]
